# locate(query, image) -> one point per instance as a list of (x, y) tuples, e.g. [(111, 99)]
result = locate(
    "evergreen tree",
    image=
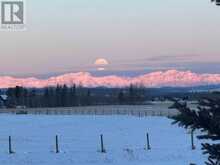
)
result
[(73, 96), (121, 97), (64, 96), (205, 118), (46, 98), (58, 96), (11, 101), (131, 94), (88, 98), (32, 99)]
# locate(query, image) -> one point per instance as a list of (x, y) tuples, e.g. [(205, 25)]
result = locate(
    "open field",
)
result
[(33, 140)]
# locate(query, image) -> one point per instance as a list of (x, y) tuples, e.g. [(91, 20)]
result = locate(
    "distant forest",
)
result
[(69, 96), (64, 96)]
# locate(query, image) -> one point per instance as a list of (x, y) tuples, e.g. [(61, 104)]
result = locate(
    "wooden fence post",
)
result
[(57, 145), (10, 146), (148, 142), (192, 140), (102, 145)]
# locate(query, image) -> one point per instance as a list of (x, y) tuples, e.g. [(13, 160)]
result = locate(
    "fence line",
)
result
[(57, 150), (139, 111)]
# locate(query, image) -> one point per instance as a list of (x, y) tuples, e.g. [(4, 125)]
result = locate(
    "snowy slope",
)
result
[(124, 139)]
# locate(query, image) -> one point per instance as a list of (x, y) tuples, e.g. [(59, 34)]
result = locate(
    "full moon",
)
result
[(101, 62)]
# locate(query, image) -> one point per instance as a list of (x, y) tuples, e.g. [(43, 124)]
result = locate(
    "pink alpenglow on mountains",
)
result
[(172, 78)]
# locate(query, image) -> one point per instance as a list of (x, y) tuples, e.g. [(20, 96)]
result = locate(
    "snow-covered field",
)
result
[(33, 140)]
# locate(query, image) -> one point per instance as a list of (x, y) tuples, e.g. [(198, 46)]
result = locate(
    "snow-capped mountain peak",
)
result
[(170, 78)]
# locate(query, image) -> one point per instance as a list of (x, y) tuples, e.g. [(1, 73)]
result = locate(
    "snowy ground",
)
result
[(33, 139)]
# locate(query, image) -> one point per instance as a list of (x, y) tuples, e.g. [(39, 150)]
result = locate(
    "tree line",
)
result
[(68, 96)]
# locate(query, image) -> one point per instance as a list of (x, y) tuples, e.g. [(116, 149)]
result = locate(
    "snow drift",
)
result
[(172, 78)]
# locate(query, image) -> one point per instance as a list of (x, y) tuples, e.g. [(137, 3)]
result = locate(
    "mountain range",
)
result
[(169, 78)]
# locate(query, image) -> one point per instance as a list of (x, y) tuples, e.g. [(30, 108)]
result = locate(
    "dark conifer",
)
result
[(206, 118)]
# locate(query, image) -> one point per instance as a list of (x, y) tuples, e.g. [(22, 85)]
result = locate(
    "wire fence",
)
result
[(59, 144), (139, 111)]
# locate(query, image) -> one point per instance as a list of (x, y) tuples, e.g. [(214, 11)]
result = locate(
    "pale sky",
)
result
[(133, 35)]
